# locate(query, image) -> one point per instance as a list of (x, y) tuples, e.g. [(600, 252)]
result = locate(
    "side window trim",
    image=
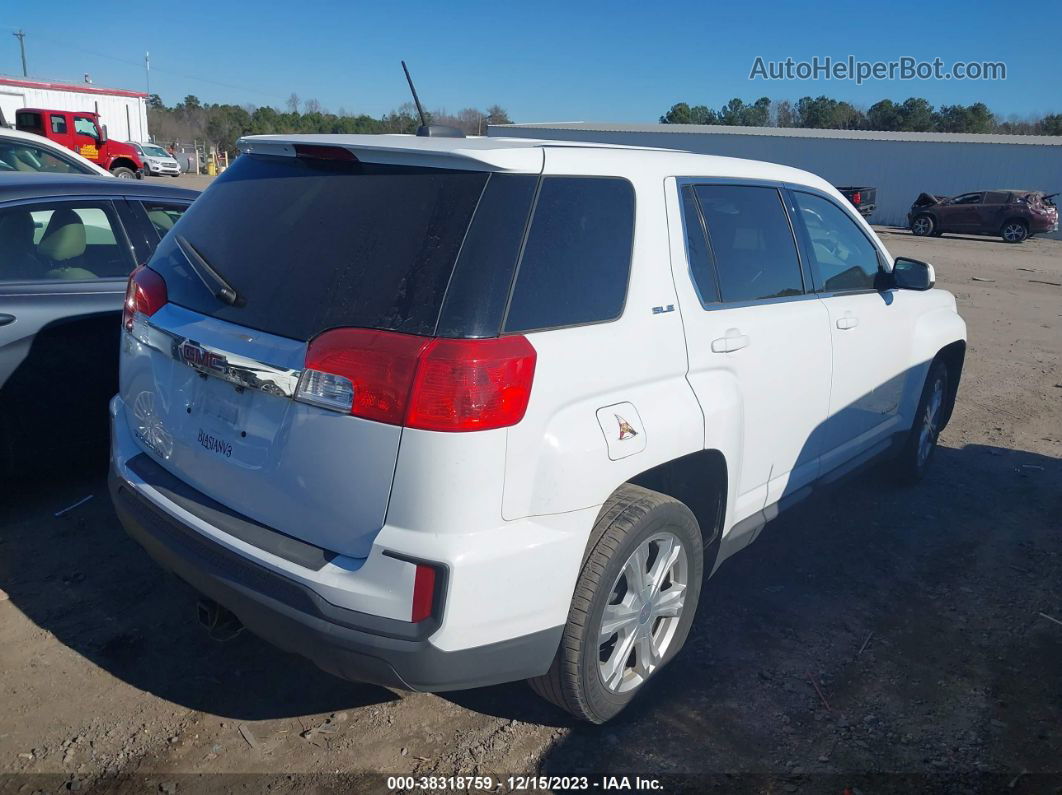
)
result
[(688, 184), (804, 238), (688, 194)]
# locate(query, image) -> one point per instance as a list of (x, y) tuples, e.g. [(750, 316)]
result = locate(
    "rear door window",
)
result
[(751, 242), (71, 241), (17, 155), (314, 244), (576, 261)]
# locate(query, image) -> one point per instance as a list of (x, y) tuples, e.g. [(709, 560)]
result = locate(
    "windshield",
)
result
[(154, 151)]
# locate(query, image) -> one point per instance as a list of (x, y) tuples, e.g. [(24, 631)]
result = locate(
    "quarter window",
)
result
[(577, 257), (750, 241), (841, 256), (58, 124), (163, 216), (62, 241)]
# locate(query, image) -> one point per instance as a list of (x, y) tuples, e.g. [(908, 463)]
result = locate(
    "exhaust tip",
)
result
[(220, 623)]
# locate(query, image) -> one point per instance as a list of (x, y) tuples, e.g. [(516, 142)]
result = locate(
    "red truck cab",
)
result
[(82, 132)]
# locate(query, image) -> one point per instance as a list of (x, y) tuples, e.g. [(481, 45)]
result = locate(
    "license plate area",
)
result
[(234, 424)]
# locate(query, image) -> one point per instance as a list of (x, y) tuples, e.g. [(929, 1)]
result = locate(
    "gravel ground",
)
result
[(882, 639)]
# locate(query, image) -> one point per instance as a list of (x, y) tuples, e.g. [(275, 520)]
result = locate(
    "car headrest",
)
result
[(16, 230), (64, 239), (161, 220)]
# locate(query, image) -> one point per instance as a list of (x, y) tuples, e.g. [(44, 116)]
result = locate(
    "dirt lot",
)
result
[(881, 639)]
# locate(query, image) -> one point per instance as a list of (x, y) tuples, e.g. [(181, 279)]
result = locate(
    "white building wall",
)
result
[(900, 170), (125, 117)]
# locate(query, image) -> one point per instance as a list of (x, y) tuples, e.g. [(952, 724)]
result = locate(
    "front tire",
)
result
[(922, 226), (633, 605), (123, 173), (921, 442)]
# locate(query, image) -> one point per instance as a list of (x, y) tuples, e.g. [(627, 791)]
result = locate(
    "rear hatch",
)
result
[(308, 244)]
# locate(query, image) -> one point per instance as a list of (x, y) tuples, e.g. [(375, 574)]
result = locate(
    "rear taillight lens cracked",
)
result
[(418, 382)]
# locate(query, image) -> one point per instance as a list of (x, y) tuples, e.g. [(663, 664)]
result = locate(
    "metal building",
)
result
[(124, 112), (899, 164)]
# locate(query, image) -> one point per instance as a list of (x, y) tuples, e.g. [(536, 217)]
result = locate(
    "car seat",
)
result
[(62, 244)]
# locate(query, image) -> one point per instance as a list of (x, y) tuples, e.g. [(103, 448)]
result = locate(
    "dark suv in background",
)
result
[(1014, 215)]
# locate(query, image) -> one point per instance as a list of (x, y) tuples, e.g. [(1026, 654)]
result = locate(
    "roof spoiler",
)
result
[(429, 130)]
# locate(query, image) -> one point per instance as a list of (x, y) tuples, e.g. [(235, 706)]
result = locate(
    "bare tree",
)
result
[(293, 103), (312, 106)]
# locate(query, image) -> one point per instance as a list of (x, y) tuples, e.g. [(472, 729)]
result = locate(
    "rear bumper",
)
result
[(344, 642)]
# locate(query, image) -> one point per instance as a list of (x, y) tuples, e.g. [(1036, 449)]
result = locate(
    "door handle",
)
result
[(5, 319), (847, 321), (732, 341)]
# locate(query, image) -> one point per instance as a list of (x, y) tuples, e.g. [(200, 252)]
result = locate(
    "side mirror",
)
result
[(913, 274), (103, 133)]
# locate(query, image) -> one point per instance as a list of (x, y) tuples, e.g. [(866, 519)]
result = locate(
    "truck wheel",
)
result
[(633, 606), (921, 442), (922, 225), (123, 173), (1014, 231)]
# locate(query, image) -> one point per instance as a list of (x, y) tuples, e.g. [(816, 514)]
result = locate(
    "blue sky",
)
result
[(548, 61)]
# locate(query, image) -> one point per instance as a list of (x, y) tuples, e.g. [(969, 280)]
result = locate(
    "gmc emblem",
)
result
[(196, 356)]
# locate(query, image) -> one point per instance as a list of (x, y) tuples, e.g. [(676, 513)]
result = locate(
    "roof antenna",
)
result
[(429, 130)]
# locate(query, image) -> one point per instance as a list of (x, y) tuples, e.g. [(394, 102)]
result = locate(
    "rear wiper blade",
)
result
[(211, 279)]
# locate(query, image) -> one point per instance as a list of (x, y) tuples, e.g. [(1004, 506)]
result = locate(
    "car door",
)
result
[(60, 130), (756, 334), (870, 328), (59, 259), (86, 138), (991, 212), (963, 213)]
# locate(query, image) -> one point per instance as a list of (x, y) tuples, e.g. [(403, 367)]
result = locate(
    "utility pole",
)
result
[(147, 73), (21, 36)]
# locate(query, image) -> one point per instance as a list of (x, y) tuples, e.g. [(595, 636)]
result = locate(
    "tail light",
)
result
[(430, 384), (145, 293), (857, 198)]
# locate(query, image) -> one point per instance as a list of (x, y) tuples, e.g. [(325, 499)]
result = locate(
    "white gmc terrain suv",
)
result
[(440, 413)]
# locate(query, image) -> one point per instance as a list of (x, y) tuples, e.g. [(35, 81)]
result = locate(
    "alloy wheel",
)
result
[(643, 612), (930, 428), (1013, 233)]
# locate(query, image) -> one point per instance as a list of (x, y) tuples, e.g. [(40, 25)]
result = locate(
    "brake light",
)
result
[(423, 593), (857, 198), (471, 385), (418, 382), (324, 152), (145, 293)]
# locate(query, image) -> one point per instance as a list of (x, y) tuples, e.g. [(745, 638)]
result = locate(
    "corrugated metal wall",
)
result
[(900, 170), (125, 117)]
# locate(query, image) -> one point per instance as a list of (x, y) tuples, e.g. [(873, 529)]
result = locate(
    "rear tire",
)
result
[(922, 225), (1014, 231), (123, 173), (913, 461), (648, 615)]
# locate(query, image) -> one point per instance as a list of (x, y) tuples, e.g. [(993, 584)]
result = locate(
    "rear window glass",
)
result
[(577, 257), (28, 121), (310, 244)]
